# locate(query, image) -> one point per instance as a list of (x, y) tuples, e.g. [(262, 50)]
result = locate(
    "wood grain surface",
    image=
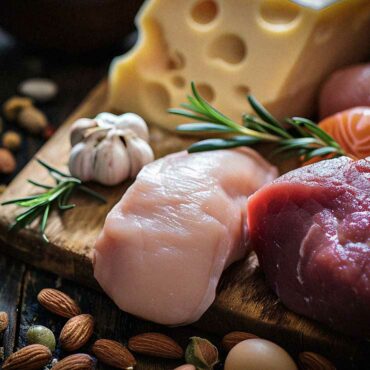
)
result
[(18, 297), (243, 302)]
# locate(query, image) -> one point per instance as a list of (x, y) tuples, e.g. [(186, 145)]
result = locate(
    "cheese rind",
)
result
[(274, 49)]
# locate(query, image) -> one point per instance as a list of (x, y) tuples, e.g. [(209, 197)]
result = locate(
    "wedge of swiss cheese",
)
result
[(275, 49)]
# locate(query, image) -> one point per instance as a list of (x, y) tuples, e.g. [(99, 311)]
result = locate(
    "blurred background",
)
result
[(70, 43)]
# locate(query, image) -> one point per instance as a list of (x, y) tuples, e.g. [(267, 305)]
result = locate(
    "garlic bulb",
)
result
[(79, 127), (82, 156), (139, 151), (109, 149), (112, 162), (130, 121)]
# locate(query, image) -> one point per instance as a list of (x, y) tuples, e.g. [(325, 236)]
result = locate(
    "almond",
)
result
[(232, 339), (76, 332), (79, 361), (4, 321), (31, 357), (155, 344), (58, 303), (32, 119), (13, 106), (114, 354), (314, 361)]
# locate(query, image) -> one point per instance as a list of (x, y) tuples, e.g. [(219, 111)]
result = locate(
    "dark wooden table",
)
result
[(20, 283)]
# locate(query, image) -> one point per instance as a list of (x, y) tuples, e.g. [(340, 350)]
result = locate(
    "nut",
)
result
[(79, 361), (12, 140), (33, 120), (76, 332), (230, 340), (155, 344), (314, 361), (4, 321), (38, 334), (201, 353), (31, 357), (13, 106), (114, 354), (58, 302), (8, 163)]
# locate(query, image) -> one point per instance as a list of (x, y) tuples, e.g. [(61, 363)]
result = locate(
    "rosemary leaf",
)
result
[(184, 113), (93, 193), (266, 125), (200, 127), (300, 136), (44, 221), (51, 169), (216, 144), (325, 137), (41, 204), (191, 107), (297, 142), (262, 112), (213, 112), (320, 152), (35, 183), (18, 200), (63, 200)]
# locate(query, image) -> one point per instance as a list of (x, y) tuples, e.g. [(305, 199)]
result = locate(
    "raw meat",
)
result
[(346, 88), (165, 244), (311, 231)]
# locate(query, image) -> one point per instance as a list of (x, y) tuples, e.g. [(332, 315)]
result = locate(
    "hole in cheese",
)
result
[(176, 60), (156, 98), (242, 91), (204, 11), (178, 81), (206, 91), (229, 48), (278, 12), (279, 16)]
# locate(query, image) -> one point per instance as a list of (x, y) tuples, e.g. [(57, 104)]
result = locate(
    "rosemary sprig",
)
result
[(300, 136), (39, 205)]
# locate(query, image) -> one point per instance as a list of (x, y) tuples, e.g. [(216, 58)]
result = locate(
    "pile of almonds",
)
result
[(22, 111), (200, 353)]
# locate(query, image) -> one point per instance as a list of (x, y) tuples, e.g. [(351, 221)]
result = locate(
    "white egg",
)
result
[(185, 367), (258, 354)]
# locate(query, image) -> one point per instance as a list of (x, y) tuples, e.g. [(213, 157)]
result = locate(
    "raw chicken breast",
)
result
[(165, 244), (311, 231)]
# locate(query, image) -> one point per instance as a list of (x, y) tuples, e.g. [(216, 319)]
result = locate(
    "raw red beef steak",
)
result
[(311, 231)]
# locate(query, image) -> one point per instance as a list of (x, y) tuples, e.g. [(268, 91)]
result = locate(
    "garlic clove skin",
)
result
[(106, 118), (125, 121), (81, 161), (112, 162), (139, 151), (79, 128), (135, 123)]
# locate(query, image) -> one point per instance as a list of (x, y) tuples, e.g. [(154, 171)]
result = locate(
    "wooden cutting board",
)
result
[(243, 302)]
